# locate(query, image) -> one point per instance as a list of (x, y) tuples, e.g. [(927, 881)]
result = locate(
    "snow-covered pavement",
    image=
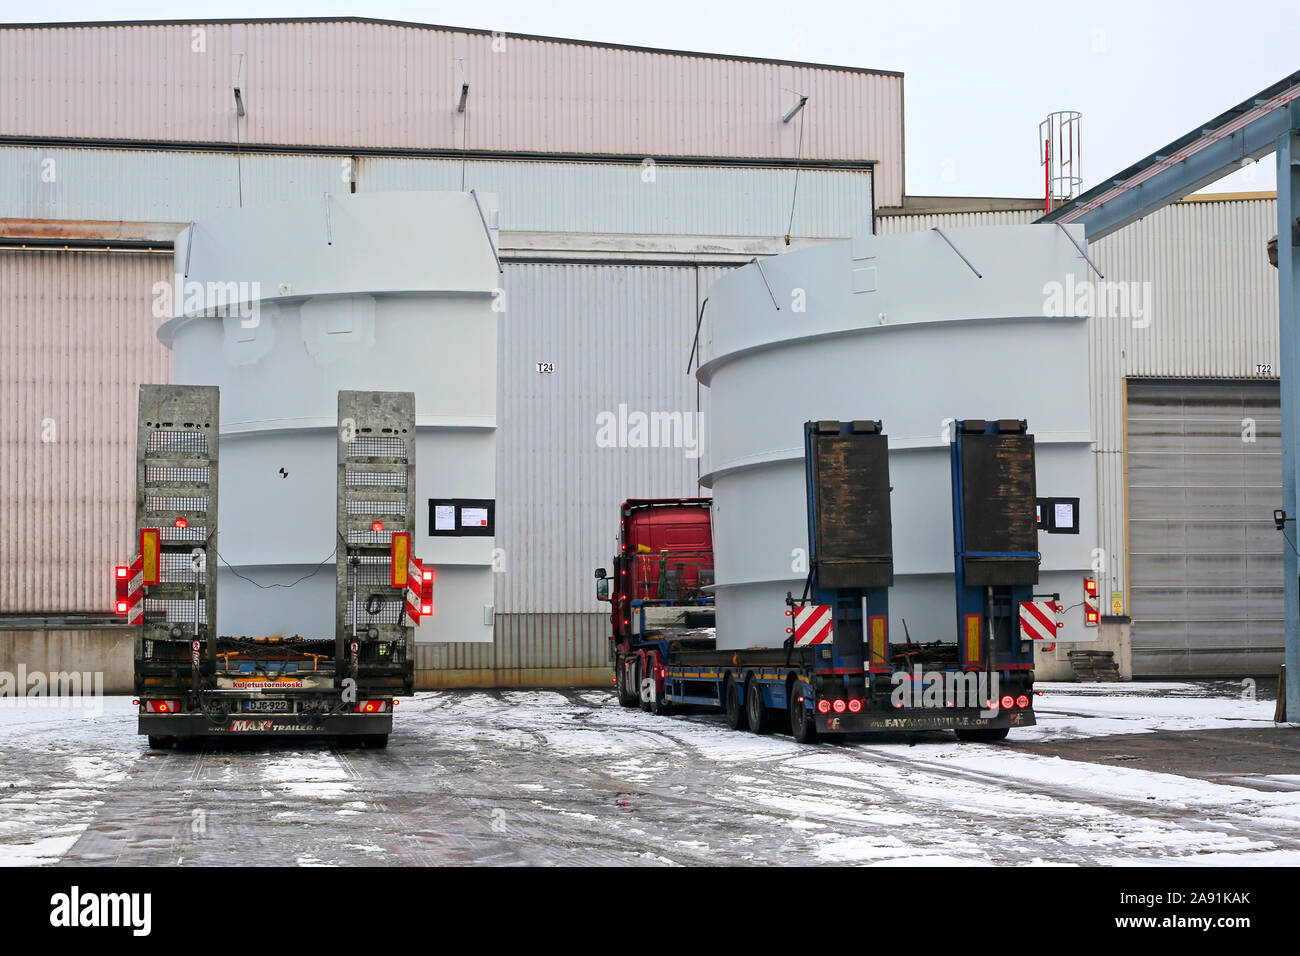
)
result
[(570, 777)]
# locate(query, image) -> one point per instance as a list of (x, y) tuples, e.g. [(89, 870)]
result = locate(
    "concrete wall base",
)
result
[(503, 663), (106, 653), (1114, 634), (521, 677)]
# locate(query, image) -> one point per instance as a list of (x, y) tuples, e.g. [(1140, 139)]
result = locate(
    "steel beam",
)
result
[(1180, 178), (1248, 131), (1288, 268)]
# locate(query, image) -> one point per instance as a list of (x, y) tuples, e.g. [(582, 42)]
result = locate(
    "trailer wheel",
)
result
[(161, 743), (760, 721), (983, 734), (629, 691), (735, 713), (375, 741), (802, 725)]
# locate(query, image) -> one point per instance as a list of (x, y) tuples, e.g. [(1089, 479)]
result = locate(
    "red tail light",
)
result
[(181, 523), (839, 706), (376, 526), (1090, 587), (1022, 701), (372, 707), (1008, 702), (121, 582), (855, 705), (823, 706), (162, 706)]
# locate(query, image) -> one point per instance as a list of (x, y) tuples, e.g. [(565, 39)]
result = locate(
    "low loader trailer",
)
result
[(838, 671), (194, 683)]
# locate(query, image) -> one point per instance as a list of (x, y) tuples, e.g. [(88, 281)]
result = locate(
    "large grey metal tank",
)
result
[(901, 329), (367, 291)]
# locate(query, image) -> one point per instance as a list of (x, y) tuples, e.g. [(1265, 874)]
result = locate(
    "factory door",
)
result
[(1204, 473)]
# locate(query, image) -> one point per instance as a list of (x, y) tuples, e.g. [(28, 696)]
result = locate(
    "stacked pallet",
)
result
[(1094, 665)]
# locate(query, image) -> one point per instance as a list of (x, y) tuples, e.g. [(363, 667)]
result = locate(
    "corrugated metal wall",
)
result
[(890, 225), (543, 196), (376, 85), (77, 339), (617, 336)]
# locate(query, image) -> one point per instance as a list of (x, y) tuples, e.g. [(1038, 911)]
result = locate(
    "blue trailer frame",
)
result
[(840, 690)]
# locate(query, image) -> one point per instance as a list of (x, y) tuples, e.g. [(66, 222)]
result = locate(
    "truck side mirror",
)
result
[(600, 573), (602, 589)]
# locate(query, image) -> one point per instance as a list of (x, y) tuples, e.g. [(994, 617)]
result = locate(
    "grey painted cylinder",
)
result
[(897, 328), (382, 291)]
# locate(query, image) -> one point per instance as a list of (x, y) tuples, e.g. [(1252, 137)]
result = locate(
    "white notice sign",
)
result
[(473, 517), (1064, 514), (444, 517)]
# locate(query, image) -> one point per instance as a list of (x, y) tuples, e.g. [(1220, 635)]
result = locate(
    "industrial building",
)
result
[(628, 180)]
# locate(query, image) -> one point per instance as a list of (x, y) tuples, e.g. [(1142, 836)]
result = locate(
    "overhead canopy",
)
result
[(1248, 131)]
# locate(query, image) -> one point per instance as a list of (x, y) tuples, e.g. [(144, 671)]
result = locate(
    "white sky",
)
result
[(978, 76)]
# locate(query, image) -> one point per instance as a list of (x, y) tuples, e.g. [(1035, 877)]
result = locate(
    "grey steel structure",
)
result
[(177, 462), (376, 484)]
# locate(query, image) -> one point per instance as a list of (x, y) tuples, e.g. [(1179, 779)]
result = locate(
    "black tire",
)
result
[(375, 741), (760, 721), (157, 742), (646, 705), (803, 725), (985, 735), (627, 696), (736, 719)]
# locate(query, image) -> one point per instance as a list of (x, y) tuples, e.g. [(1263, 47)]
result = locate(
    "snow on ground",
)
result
[(510, 777), (1092, 710), (57, 763)]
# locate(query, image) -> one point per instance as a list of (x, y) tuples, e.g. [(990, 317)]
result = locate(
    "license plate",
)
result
[(268, 706)]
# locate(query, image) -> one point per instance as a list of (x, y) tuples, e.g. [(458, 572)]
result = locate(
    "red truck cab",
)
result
[(664, 560)]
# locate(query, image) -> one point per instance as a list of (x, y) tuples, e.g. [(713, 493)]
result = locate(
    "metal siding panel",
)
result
[(617, 335), (385, 85), (178, 186), (891, 225), (78, 340)]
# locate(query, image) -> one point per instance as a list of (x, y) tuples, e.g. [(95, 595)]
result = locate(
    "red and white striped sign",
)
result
[(414, 577), (135, 592), (1038, 620), (812, 624)]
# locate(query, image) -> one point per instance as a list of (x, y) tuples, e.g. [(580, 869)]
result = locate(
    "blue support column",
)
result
[(1288, 268)]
